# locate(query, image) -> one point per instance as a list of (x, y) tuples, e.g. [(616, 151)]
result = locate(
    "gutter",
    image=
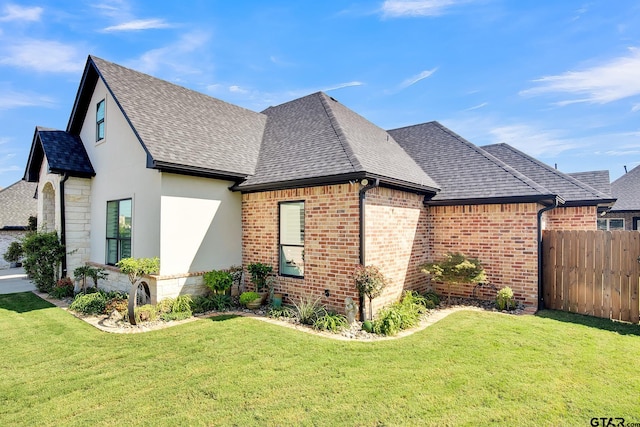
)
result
[(63, 228), (556, 201), (362, 195)]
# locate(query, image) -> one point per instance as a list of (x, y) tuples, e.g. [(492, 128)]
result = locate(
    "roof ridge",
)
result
[(342, 137), (557, 172), (518, 175)]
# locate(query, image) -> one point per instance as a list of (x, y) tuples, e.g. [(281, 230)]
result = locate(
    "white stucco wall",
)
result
[(120, 165), (201, 225)]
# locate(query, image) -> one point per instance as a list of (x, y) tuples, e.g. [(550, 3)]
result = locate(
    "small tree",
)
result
[(259, 273), (370, 282), (14, 253), (86, 271), (455, 268), (136, 269), (43, 254)]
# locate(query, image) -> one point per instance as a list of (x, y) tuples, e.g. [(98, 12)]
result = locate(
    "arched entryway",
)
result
[(48, 221)]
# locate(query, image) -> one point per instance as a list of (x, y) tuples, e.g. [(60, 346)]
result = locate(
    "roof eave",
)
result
[(593, 202), (544, 199), (196, 171)]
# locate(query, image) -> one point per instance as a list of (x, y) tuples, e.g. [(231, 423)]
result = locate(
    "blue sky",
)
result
[(559, 80)]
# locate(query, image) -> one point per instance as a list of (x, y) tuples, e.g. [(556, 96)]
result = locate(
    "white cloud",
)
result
[(400, 8), (535, 142), (42, 55), (10, 99), (635, 108), (610, 81), (237, 89), (476, 107), (14, 12), (176, 56), (138, 25), (341, 86), (415, 79)]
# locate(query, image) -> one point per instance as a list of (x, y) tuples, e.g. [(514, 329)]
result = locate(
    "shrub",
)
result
[(401, 315), (247, 297), (367, 325), (146, 313), (330, 321), (282, 311), (43, 255), (308, 310), (95, 303), (370, 282), (63, 288), (119, 304), (202, 303), (178, 308), (455, 268), (505, 299), (218, 281), (259, 273), (136, 268), (14, 252), (430, 295)]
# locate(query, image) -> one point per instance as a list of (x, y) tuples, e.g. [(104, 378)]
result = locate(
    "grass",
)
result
[(471, 368)]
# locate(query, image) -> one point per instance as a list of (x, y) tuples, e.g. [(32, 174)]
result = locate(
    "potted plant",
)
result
[(251, 300), (260, 278), (14, 254), (218, 281)]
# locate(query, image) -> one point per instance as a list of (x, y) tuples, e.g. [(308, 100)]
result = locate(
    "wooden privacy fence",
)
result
[(592, 272)]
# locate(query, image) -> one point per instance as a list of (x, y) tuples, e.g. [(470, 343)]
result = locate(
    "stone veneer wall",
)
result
[(161, 287), (502, 236), (396, 229), (77, 192), (571, 218), (331, 240)]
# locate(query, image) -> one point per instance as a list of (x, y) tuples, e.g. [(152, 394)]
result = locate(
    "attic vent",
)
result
[(333, 99)]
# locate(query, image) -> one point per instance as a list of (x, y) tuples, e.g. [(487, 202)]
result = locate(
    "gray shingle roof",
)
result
[(316, 136), (65, 154), (464, 171), (567, 187), (17, 204), (597, 179), (627, 190), (182, 127)]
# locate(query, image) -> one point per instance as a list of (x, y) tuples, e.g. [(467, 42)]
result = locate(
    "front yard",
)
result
[(470, 368)]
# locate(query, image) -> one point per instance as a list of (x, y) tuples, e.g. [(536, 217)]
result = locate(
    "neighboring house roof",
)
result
[(65, 154), (464, 171), (315, 139), (597, 179), (574, 192), (627, 190), (17, 204), (180, 129)]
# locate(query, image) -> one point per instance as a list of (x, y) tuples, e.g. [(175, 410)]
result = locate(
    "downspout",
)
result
[(540, 212), (362, 196), (63, 227)]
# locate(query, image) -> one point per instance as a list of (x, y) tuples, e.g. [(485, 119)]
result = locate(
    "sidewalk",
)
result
[(14, 280)]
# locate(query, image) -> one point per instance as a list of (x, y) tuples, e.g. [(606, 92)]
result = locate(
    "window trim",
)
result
[(118, 239), (100, 123), (608, 221), (282, 245)]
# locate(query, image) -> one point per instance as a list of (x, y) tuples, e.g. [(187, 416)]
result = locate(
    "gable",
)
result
[(181, 130), (627, 190), (17, 204)]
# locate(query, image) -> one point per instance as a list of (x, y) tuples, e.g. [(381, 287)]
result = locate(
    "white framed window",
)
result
[(610, 224), (291, 239), (100, 120), (119, 221)]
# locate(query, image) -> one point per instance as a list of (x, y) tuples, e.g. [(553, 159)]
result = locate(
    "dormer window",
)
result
[(100, 121)]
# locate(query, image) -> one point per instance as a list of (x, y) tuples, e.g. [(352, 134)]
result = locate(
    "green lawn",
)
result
[(472, 368)]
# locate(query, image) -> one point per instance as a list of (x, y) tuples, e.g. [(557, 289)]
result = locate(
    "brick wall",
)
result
[(571, 218), (396, 240), (331, 240), (502, 236)]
